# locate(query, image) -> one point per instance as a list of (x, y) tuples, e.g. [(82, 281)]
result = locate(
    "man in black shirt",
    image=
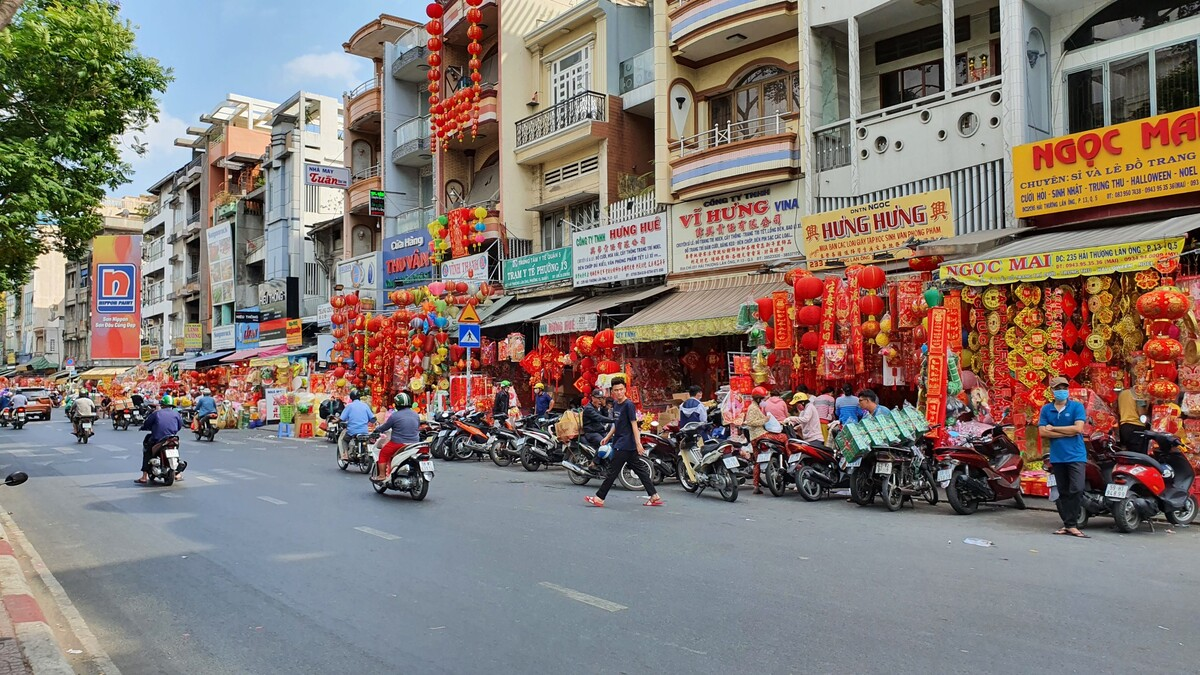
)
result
[(500, 404), (595, 422), (627, 448)]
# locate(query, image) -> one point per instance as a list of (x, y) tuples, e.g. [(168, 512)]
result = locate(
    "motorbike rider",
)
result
[(692, 410), (330, 407), (206, 408), (806, 421), (542, 402), (595, 422), (5, 400), (356, 419), (162, 423), (84, 408), (19, 400), (405, 425), (137, 399)]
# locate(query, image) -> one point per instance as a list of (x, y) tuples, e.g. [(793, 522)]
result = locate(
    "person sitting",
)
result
[(330, 407), (19, 400), (162, 424), (84, 408), (806, 421), (692, 410), (595, 422), (760, 426), (5, 400), (868, 400), (356, 418), (405, 426), (206, 408)]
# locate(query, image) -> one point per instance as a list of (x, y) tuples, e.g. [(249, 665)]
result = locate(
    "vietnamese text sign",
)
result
[(337, 177), (472, 267), (245, 329), (937, 366), (294, 332), (736, 229), (630, 249), (406, 261), (193, 336), (579, 323), (220, 263), (117, 284), (1062, 264), (278, 301), (150, 352), (858, 233), (1121, 163), (324, 314), (538, 268)]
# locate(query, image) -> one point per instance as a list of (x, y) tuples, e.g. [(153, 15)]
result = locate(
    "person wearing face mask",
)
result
[(1062, 422)]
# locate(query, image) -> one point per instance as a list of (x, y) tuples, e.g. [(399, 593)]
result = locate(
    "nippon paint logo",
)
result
[(116, 286)]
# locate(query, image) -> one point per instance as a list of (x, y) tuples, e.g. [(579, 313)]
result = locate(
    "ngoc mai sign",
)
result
[(337, 177)]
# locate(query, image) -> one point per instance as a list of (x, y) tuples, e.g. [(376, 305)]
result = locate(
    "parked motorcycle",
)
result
[(333, 427), (205, 428), (1144, 485), (473, 438), (977, 470), (817, 470), (662, 449), (1101, 459), (165, 464), (894, 473), (358, 452), (18, 419), (442, 428), (703, 464), (772, 458), (503, 445), (540, 446), (411, 472), (583, 464), (82, 427)]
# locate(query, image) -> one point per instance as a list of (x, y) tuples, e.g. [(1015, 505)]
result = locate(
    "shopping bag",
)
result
[(568, 426)]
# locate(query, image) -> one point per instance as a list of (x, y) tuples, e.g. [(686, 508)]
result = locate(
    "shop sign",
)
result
[(150, 352), (193, 336), (245, 329), (862, 233), (272, 396), (1125, 162), (580, 323), (116, 312), (362, 274), (783, 321), (1068, 264), (472, 267), (295, 333), (325, 345), (736, 229), (278, 301), (324, 314), (224, 337), (406, 261), (630, 249), (538, 268), (221, 276), (337, 177)]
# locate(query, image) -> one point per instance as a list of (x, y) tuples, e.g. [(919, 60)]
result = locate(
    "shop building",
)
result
[(165, 261)]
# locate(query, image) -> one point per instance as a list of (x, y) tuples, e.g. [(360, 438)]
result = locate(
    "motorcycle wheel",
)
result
[(775, 475), (168, 478), (379, 486), (499, 453), (893, 498), (420, 488), (656, 473), (729, 485), (962, 504), (681, 471), (1019, 501), (85, 439), (461, 451), (577, 458), (529, 462), (862, 487), (365, 463), (1126, 515), (628, 479), (1183, 516), (930, 493), (809, 489), (199, 436), (343, 464)]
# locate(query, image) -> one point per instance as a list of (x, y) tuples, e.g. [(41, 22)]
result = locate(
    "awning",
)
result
[(270, 356), (241, 355), (7, 372), (974, 243), (41, 363), (1066, 254), (559, 203), (203, 359), (584, 316), (60, 375), (696, 309), (307, 351), (527, 311), (101, 373)]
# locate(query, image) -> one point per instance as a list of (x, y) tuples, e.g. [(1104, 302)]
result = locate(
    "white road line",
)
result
[(256, 473), (234, 442), (120, 456), (269, 440), (85, 459), (377, 533), (584, 597), (272, 500), (169, 495), (68, 451), (206, 479), (114, 448)]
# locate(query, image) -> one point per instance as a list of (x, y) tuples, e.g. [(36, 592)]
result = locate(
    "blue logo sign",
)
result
[(468, 335), (116, 288), (406, 260)]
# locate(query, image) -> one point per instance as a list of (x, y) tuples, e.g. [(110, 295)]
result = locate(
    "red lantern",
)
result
[(474, 49), (374, 324), (434, 27), (337, 302), (474, 15), (434, 45), (1163, 390), (1163, 303), (352, 299), (584, 344), (808, 315), (766, 308), (607, 367), (338, 318), (1163, 349), (926, 263), (434, 10), (810, 341), (871, 277), (808, 288), (605, 339), (871, 305), (870, 329)]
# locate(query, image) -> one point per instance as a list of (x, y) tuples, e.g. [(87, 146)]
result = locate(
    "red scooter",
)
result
[(984, 469), (1143, 486)]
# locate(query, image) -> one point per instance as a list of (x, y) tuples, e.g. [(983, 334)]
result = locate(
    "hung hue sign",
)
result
[(1068, 264), (736, 229), (406, 261), (630, 249), (538, 268), (1120, 163), (858, 233)]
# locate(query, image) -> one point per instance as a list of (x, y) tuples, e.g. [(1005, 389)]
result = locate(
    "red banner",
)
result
[(954, 320), (855, 318), (783, 324), (936, 365), (828, 319), (459, 219), (116, 319)]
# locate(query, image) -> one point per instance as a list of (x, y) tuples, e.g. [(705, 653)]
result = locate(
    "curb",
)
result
[(34, 635)]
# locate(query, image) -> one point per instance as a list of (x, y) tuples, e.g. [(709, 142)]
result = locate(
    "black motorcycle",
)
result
[(540, 446), (583, 464), (359, 453), (333, 428), (205, 428)]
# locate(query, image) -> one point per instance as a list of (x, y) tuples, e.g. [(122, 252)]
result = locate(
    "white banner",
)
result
[(470, 268), (580, 323), (737, 229), (324, 314), (630, 249), (337, 177), (224, 337)]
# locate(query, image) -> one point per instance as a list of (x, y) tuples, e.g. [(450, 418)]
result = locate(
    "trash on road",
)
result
[(974, 541)]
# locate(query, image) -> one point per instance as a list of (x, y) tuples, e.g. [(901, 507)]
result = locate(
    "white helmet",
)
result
[(205, 391)]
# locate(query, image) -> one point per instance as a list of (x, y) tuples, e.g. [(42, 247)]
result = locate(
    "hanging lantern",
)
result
[(808, 315), (871, 277), (1163, 349), (871, 305), (1163, 304), (925, 263), (605, 339), (870, 329), (337, 302), (1163, 390), (808, 288), (810, 341)]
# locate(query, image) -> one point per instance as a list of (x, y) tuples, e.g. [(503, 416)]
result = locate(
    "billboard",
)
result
[(246, 322), (193, 336), (278, 301), (116, 313), (472, 267), (740, 228), (362, 274), (220, 264), (406, 260), (630, 249), (538, 268), (876, 231)]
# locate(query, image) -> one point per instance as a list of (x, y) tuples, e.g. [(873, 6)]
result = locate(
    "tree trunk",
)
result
[(8, 9)]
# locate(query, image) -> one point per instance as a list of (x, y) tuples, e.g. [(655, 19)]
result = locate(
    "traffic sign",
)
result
[(469, 315), (468, 335)]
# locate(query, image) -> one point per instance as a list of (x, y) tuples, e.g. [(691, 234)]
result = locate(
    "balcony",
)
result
[(256, 250), (725, 158), (637, 206), (412, 143), (361, 185), (151, 210), (831, 146), (704, 31), (409, 64), (153, 294), (152, 250), (414, 219), (363, 105), (637, 84), (562, 128), (226, 211)]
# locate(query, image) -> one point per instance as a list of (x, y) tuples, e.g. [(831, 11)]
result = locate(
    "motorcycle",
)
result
[(6, 417), (138, 416), (442, 429), (18, 421), (503, 445), (333, 427), (359, 453), (1101, 458), (895, 473), (411, 471), (583, 464), (206, 429), (661, 451), (188, 414), (540, 447), (472, 438), (703, 464), (817, 470), (121, 418), (977, 470), (773, 458), (1143, 486), (82, 428), (165, 464)]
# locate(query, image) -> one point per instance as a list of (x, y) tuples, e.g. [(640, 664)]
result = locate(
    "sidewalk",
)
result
[(27, 642)]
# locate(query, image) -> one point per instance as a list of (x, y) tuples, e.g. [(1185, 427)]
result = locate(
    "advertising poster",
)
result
[(193, 336), (337, 177), (406, 261), (856, 234), (220, 264), (278, 301), (538, 268), (224, 337), (630, 249), (116, 312), (246, 329), (736, 229), (362, 274)]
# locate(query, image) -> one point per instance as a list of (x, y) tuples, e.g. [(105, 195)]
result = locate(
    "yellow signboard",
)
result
[(1062, 264), (193, 336), (859, 233), (295, 332), (1126, 162), (150, 352)]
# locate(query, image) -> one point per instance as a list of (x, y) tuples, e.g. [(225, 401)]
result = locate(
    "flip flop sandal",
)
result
[(140, 481), (594, 501), (654, 502)]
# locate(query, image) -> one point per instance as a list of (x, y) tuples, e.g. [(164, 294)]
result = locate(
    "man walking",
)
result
[(627, 448), (1062, 422)]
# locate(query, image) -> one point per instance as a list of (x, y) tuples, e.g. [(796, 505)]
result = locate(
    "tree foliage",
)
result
[(71, 83)]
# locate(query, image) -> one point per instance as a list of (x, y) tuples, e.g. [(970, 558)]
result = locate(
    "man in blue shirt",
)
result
[(405, 426), (541, 401), (868, 402), (1062, 422), (846, 407), (355, 420), (162, 423), (206, 407)]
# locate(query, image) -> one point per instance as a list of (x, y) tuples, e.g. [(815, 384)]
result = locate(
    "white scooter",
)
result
[(411, 471)]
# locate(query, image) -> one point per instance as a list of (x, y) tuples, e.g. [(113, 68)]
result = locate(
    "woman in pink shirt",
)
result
[(773, 405)]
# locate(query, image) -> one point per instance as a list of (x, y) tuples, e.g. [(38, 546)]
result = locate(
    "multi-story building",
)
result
[(36, 309), (168, 302), (407, 165)]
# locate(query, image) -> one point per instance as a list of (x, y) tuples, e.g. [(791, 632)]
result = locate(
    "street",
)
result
[(268, 559)]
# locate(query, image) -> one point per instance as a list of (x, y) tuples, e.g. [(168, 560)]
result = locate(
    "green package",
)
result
[(871, 424), (859, 441), (890, 430), (905, 425), (918, 420)]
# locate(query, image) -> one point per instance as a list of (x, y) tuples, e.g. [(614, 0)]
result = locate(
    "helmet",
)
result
[(353, 394), (505, 383), (205, 391), (403, 400), (597, 393), (604, 452), (800, 396), (167, 401), (760, 392), (539, 387)]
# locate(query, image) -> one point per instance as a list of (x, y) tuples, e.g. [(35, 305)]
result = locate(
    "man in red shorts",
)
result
[(405, 426)]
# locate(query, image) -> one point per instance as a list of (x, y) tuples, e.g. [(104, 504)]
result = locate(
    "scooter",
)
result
[(6, 417), (540, 447), (583, 463), (165, 464), (661, 451), (206, 429), (817, 470), (18, 421), (895, 473), (703, 464), (1144, 486), (986, 469), (472, 439), (1101, 458), (333, 427), (121, 418), (359, 453), (82, 428), (411, 471), (504, 443)]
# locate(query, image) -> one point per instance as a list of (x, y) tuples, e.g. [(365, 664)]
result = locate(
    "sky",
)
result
[(266, 49)]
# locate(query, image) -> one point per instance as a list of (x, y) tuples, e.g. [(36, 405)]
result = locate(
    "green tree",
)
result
[(71, 83)]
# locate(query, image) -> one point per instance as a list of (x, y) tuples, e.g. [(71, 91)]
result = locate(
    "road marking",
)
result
[(584, 597), (272, 500), (206, 479), (85, 459), (234, 442), (256, 473), (169, 495), (232, 474), (68, 451), (269, 440), (120, 456), (114, 448), (377, 533)]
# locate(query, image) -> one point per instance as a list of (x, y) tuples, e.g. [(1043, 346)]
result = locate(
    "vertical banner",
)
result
[(936, 366), (783, 324), (116, 312), (954, 320), (856, 338), (828, 320)]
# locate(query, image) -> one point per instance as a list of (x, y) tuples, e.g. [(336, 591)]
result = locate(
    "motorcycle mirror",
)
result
[(16, 478)]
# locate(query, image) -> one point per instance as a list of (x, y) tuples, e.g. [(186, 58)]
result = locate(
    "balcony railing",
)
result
[(414, 219), (363, 88), (151, 210), (638, 206), (316, 281), (255, 245), (415, 129), (364, 174), (637, 71), (732, 132), (194, 277), (194, 218), (586, 107), (831, 146), (153, 294), (152, 250)]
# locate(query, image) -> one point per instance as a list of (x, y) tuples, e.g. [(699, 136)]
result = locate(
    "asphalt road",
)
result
[(268, 559)]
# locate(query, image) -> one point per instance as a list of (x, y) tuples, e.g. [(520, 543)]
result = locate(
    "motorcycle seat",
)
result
[(1138, 458), (691, 427), (770, 444)]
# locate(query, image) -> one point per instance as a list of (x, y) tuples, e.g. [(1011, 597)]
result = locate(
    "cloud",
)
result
[(160, 157), (335, 67)]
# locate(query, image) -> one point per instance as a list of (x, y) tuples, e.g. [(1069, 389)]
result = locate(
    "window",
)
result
[(910, 84), (1125, 17), (919, 41), (557, 226), (1133, 87), (571, 75), (766, 91), (554, 231), (53, 346), (571, 171)]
